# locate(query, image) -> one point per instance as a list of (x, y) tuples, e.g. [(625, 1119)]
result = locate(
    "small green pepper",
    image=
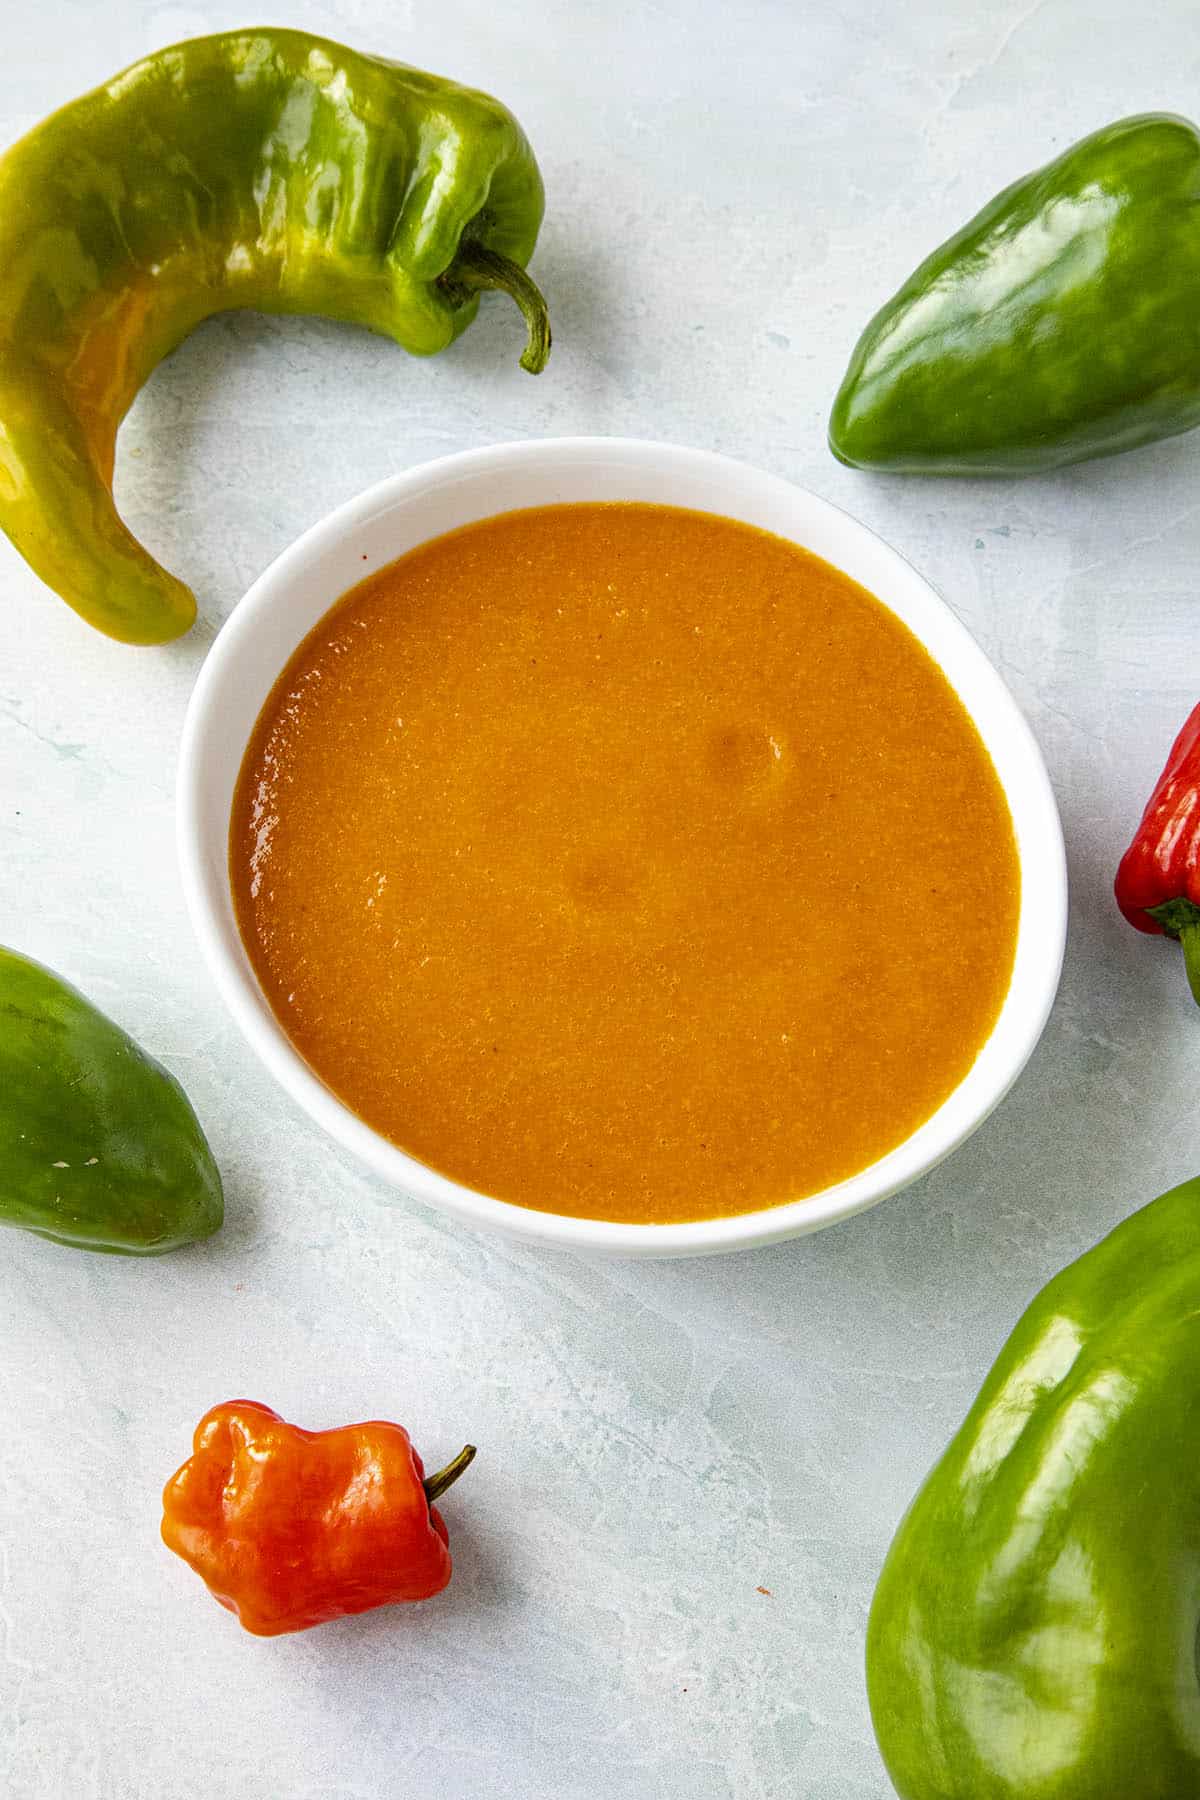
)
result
[(99, 1146), (1062, 323), (1034, 1633), (265, 169)]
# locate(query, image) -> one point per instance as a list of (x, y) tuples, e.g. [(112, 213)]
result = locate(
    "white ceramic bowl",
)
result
[(286, 602)]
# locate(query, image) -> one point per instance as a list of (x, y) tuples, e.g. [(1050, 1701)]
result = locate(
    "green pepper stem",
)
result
[(1189, 937), (437, 1484), (476, 267)]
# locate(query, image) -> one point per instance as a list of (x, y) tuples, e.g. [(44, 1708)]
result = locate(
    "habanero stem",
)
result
[(435, 1486)]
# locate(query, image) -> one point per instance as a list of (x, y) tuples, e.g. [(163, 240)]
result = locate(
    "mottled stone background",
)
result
[(732, 188)]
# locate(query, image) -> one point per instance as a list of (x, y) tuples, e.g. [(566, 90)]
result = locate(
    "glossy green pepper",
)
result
[(1034, 1632), (99, 1147), (266, 169), (1062, 323)]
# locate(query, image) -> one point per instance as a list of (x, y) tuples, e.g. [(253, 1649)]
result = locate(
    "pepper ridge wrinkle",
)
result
[(267, 169), (1034, 1632)]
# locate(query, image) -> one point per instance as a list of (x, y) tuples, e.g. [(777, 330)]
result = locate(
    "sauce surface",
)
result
[(625, 862)]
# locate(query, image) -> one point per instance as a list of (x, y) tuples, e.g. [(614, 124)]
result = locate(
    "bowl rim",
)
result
[(206, 887)]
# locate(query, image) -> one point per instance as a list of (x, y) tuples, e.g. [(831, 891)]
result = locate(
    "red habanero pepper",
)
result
[(290, 1528), (1158, 881)]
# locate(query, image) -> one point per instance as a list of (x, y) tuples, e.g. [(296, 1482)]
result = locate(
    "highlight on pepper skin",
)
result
[(291, 1528), (304, 177)]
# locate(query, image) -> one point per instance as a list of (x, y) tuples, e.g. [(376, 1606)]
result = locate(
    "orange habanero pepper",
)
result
[(290, 1528)]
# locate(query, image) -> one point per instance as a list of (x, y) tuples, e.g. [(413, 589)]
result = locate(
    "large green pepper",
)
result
[(266, 169), (98, 1145), (1062, 323), (1034, 1634)]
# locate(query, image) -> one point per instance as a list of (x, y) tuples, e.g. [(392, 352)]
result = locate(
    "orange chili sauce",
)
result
[(626, 862)]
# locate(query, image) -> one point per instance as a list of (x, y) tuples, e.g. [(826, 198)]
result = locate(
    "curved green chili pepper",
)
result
[(266, 169), (1035, 1629), (1062, 323), (99, 1147)]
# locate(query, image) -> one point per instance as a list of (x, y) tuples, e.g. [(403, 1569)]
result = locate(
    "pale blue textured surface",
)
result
[(732, 190)]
